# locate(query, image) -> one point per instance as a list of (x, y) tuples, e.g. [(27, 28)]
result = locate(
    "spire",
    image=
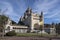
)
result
[(29, 10), (41, 13)]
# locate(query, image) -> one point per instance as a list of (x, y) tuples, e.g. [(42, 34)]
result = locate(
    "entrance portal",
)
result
[(36, 26)]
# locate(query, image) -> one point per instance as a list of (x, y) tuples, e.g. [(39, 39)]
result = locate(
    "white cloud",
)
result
[(38, 6), (45, 6), (57, 19), (21, 5), (53, 14), (10, 12)]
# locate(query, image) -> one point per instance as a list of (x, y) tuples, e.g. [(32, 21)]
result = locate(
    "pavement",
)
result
[(30, 38)]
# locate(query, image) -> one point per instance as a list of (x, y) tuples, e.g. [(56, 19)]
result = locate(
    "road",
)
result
[(30, 38)]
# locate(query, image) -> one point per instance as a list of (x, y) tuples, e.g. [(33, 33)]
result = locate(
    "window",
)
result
[(8, 27)]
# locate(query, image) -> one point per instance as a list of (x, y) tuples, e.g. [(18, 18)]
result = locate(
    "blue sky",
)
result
[(16, 8)]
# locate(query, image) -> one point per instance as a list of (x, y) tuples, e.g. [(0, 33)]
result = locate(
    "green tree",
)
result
[(58, 28), (13, 22), (3, 21)]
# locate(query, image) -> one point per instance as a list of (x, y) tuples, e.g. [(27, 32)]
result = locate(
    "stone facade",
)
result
[(31, 19), (16, 28), (33, 22)]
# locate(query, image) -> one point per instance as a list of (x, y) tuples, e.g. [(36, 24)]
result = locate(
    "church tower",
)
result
[(42, 22), (28, 12), (27, 16), (33, 20)]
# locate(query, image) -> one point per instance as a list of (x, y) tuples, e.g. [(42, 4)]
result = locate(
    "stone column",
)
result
[(32, 28), (42, 23)]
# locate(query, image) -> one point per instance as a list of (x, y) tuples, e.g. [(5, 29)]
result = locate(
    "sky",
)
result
[(14, 9)]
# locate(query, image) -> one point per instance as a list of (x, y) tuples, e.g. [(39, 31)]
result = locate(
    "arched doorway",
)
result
[(36, 26)]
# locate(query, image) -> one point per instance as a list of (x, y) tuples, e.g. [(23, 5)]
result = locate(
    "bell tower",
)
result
[(27, 17), (28, 12)]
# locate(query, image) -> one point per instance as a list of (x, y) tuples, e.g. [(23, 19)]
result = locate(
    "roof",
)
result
[(19, 26)]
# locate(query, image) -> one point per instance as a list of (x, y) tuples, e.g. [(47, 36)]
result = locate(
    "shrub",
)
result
[(11, 33), (32, 35)]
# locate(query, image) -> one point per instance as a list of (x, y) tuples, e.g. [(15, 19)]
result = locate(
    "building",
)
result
[(33, 22), (16, 28)]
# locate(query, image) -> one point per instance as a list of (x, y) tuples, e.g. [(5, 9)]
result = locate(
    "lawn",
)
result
[(31, 34)]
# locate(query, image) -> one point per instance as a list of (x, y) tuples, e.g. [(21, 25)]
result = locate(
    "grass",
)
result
[(32, 35)]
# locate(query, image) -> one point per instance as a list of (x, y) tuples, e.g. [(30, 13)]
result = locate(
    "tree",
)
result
[(58, 28), (11, 33), (13, 22), (3, 22)]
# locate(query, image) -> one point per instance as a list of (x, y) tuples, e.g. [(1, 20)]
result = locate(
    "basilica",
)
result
[(33, 22)]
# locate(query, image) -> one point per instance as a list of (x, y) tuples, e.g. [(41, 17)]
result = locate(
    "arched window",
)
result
[(8, 28)]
